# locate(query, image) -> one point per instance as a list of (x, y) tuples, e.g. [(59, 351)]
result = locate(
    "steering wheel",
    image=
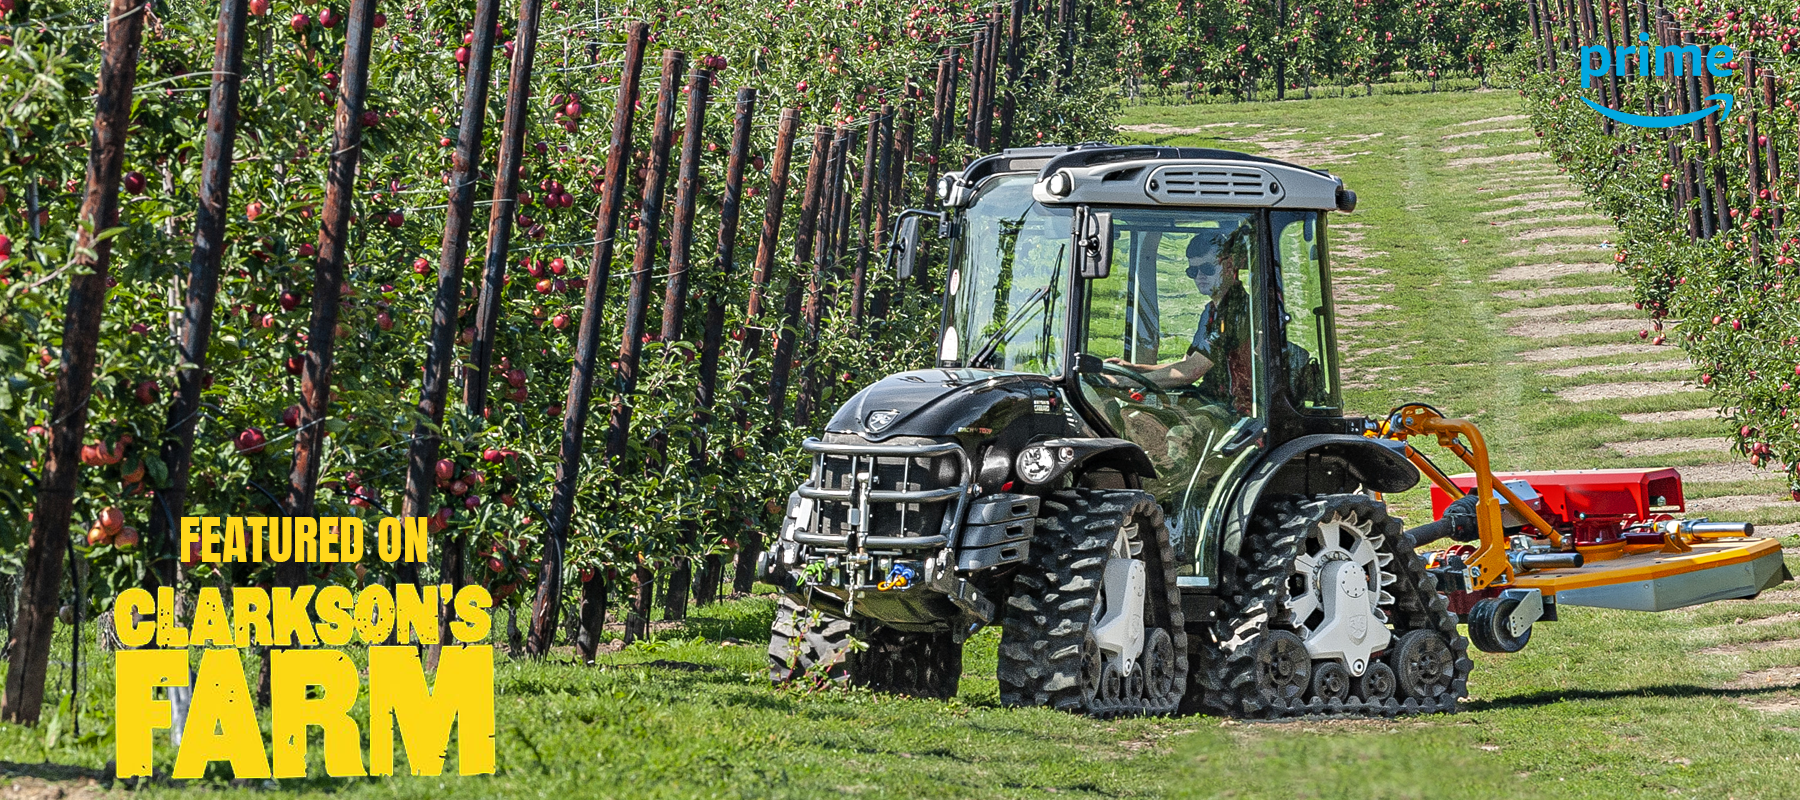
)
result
[(1122, 371)]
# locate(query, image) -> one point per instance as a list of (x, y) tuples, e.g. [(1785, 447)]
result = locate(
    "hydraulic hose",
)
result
[(1458, 523)]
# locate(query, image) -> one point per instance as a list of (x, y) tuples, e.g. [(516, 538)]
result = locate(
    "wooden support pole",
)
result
[(202, 289), (505, 207), (1009, 105), (681, 247), (545, 606), (440, 359), (631, 340), (713, 334), (32, 632), (943, 113), (865, 212), (803, 251), (328, 278), (769, 240)]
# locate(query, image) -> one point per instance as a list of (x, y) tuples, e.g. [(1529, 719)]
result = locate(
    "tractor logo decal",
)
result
[(1679, 60), (878, 420)]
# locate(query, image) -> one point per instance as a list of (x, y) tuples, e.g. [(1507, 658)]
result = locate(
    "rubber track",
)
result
[(1255, 601), (1047, 616)]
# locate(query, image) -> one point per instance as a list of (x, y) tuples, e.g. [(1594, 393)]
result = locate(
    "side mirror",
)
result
[(904, 250), (906, 247), (1093, 243)]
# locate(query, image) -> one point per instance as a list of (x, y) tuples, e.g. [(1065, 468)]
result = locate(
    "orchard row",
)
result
[(1710, 224)]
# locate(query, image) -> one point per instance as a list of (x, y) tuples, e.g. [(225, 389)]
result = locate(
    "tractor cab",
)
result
[(1180, 297)]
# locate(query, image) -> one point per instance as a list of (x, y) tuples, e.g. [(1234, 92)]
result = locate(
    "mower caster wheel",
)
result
[(1490, 626)]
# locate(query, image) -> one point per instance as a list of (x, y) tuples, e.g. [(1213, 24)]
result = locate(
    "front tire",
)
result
[(1049, 653), (817, 647)]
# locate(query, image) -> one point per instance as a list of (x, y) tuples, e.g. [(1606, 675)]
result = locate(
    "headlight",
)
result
[(946, 185), (1062, 183), (1036, 464)]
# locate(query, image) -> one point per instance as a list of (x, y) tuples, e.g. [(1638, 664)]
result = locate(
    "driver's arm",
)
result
[(1173, 375), (1177, 374)]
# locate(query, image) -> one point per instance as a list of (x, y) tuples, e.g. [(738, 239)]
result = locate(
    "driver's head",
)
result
[(1214, 261)]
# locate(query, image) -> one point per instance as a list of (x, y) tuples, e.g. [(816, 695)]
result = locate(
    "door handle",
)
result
[(1242, 435)]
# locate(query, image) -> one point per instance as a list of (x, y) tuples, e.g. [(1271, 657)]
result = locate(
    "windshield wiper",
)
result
[(991, 346)]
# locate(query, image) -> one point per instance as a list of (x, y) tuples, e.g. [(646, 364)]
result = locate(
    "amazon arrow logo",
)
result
[(1642, 121), (1678, 61)]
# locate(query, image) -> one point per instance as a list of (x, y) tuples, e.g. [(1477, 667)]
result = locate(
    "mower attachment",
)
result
[(1606, 538)]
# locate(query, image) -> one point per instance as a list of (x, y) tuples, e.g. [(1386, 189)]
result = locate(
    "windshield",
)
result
[(1006, 288)]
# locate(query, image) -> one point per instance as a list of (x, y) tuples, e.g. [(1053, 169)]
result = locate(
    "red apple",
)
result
[(97, 536), (134, 183), (255, 209), (395, 218), (446, 469), (370, 119), (112, 519), (421, 266), (328, 17), (290, 417), (384, 321), (462, 56), (5, 247), (146, 392), (294, 364), (127, 537), (507, 500), (380, 20), (471, 502), (259, 8), (289, 301), (299, 22), (560, 321), (250, 441)]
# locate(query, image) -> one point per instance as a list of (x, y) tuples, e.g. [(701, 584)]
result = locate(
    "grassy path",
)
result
[(1472, 277)]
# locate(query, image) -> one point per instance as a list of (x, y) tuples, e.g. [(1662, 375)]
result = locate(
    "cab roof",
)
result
[(1108, 174)]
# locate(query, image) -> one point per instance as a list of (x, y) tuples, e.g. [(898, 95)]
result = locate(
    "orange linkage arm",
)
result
[(1489, 566)]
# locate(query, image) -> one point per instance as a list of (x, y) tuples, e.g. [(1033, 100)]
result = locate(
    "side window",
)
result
[(1309, 347)]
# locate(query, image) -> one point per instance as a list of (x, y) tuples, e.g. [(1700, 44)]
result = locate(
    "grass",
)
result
[(1602, 704)]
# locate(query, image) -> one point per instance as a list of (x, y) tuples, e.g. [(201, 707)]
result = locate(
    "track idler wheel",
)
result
[(1377, 684), (1283, 668), (1331, 681), (1424, 664)]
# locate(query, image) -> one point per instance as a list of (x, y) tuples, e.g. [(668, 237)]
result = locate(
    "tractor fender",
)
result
[(1375, 464), (1096, 452)]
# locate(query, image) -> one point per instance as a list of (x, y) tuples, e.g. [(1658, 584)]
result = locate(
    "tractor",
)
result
[(1133, 457)]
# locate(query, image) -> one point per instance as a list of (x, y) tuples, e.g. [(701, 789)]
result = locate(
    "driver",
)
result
[(1215, 264)]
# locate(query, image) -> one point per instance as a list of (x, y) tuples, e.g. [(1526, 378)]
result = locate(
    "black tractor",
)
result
[(1131, 456)]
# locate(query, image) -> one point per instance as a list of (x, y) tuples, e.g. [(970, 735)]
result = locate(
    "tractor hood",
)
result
[(941, 402)]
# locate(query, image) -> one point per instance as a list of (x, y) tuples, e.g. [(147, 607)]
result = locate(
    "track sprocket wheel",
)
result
[(1271, 590), (1048, 655)]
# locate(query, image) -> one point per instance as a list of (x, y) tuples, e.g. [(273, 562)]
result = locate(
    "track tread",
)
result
[(1255, 604), (1047, 617)]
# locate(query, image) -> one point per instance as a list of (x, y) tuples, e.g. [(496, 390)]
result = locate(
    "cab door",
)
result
[(1182, 290)]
